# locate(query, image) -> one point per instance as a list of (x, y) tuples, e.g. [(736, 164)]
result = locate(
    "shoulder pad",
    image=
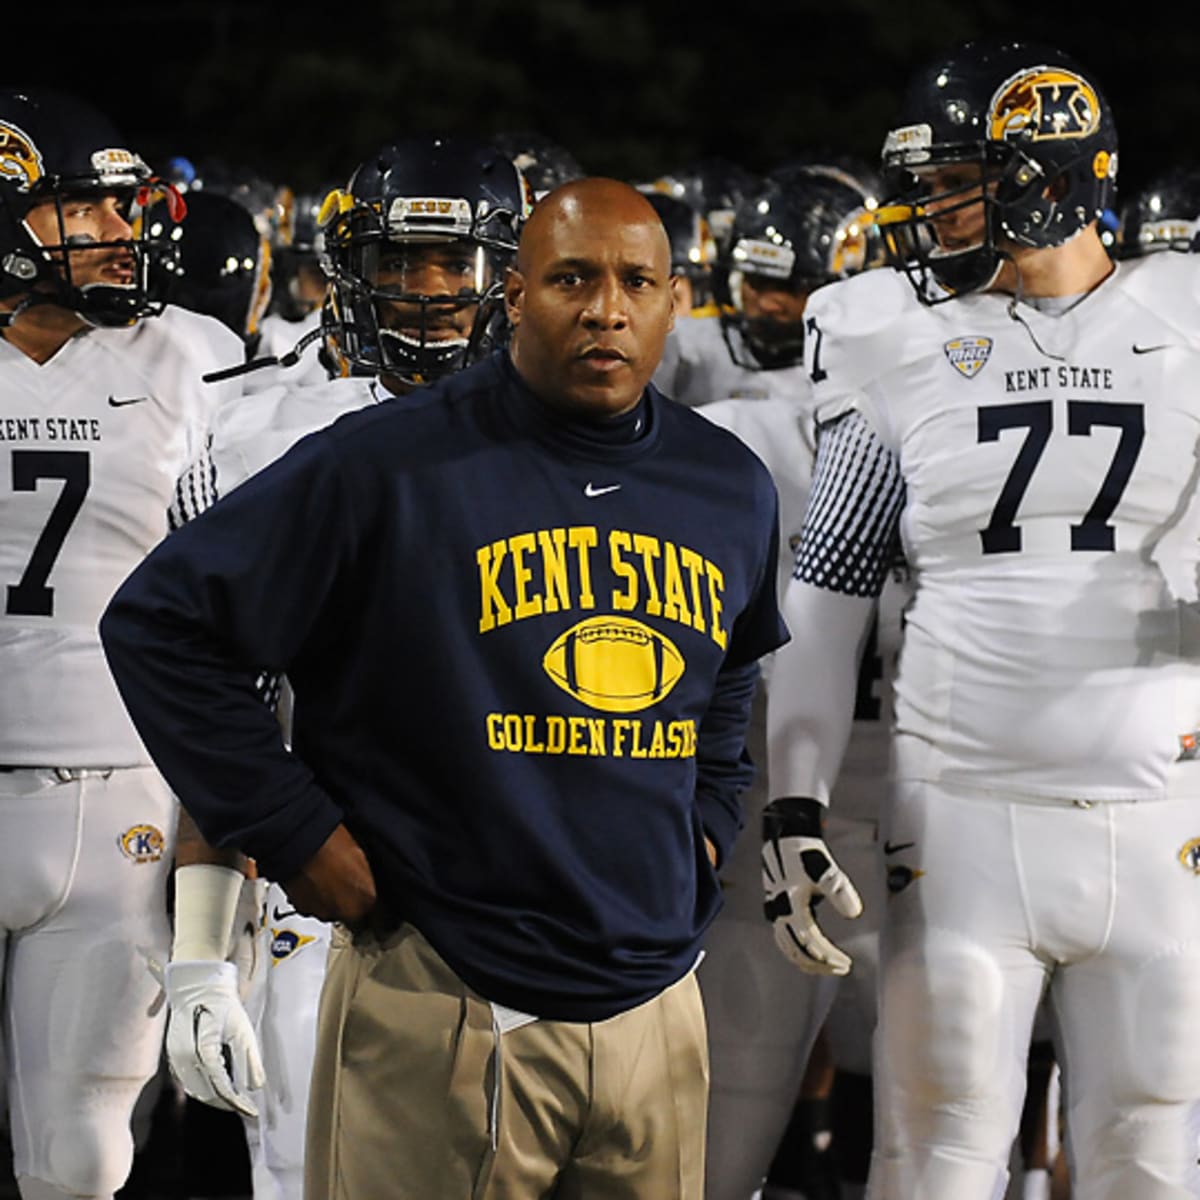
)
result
[(1167, 283), (860, 328)]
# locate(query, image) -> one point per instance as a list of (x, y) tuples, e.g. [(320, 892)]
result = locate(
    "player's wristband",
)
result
[(792, 816), (206, 897)]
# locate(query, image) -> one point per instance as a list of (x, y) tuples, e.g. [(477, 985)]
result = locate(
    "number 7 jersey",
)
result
[(1049, 467), (101, 449)]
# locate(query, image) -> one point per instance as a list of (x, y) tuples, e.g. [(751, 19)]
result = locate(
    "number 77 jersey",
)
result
[(101, 448), (1049, 465)]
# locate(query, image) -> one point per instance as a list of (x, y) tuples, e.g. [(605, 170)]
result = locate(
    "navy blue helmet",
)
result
[(794, 234), (53, 148), (416, 246), (222, 263), (1035, 137)]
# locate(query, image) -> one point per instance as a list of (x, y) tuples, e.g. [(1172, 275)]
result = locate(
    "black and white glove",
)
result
[(798, 873)]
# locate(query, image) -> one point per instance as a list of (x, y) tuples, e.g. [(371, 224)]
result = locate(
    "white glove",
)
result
[(210, 1042), (798, 872)]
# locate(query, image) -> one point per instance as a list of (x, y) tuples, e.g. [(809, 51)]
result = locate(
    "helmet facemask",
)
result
[(57, 266), (418, 297), (761, 343), (927, 224), (788, 239)]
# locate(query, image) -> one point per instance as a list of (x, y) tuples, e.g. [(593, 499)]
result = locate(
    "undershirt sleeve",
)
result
[(848, 540), (847, 546)]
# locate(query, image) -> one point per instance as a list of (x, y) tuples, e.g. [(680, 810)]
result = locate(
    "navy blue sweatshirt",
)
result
[(522, 651)]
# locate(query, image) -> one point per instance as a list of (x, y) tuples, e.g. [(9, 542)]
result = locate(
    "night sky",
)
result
[(298, 94)]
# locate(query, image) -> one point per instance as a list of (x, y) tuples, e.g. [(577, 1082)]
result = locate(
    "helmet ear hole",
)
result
[(1058, 188)]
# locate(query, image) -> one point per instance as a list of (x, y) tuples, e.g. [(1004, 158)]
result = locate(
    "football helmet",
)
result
[(54, 148), (843, 168), (222, 267), (713, 187), (297, 276), (693, 251), (545, 164), (423, 198), (1164, 215), (1017, 128), (793, 237)]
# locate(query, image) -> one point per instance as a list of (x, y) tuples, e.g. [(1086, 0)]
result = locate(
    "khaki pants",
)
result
[(416, 1094)]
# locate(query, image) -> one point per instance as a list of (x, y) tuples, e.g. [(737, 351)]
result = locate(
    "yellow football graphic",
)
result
[(614, 664)]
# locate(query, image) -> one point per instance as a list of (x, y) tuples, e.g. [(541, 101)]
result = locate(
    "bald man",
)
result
[(521, 611)]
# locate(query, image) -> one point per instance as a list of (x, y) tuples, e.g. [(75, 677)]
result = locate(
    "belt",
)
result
[(65, 774)]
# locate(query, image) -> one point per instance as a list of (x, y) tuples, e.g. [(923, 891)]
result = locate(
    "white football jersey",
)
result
[(256, 429), (1043, 459), (697, 368), (780, 430), (95, 446)]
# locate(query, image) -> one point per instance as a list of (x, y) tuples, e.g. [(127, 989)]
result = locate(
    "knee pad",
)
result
[(941, 1020), (1164, 1056), (39, 1189), (91, 1158)]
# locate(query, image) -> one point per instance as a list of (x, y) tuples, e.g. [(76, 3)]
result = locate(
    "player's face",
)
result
[(592, 306), (769, 299), (438, 270), (956, 210), (89, 217)]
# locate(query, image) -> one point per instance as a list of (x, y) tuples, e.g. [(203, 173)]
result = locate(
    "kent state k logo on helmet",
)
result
[(1044, 102), (20, 159)]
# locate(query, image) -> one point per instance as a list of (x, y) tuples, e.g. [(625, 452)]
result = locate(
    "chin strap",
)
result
[(1015, 314), (29, 300), (290, 359)]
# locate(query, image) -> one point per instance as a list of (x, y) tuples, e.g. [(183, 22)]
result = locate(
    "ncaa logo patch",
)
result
[(614, 664), (968, 355), (20, 159), (142, 843), (1189, 855), (285, 943)]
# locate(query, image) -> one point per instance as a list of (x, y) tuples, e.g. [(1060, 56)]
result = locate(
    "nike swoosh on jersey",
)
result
[(115, 403), (888, 848), (591, 491), (282, 914), (1147, 349)]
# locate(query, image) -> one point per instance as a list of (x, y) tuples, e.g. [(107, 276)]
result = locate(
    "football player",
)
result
[(221, 264), (693, 253), (543, 163), (788, 239), (1164, 215), (417, 243), (1019, 412), (105, 425), (714, 187), (298, 288)]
